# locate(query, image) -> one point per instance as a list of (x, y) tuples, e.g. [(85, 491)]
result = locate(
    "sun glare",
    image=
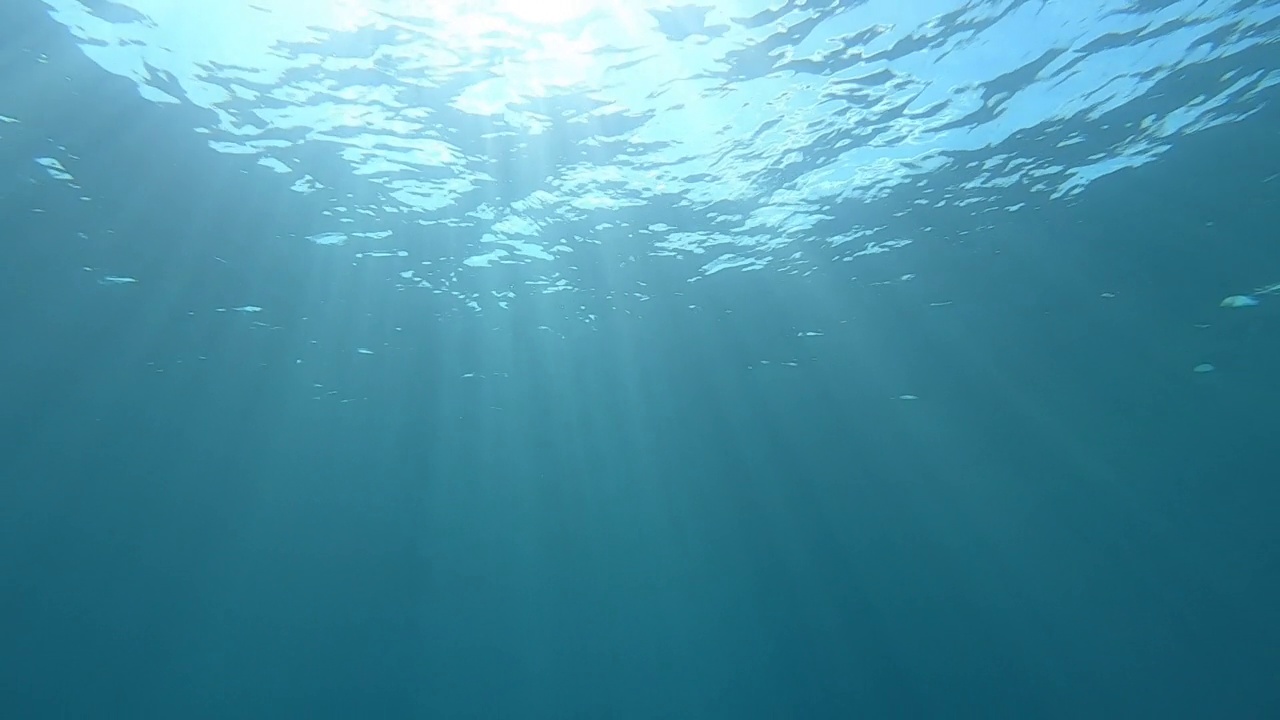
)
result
[(545, 12), (531, 12)]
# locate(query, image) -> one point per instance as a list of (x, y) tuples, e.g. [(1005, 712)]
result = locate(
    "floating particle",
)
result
[(1237, 301), (1203, 368), (907, 397)]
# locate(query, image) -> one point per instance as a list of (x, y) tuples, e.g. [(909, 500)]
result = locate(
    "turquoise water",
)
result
[(373, 359)]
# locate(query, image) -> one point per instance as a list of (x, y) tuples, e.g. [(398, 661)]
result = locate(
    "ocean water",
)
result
[(602, 359)]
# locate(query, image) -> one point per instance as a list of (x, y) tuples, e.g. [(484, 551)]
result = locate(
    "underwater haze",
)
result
[(548, 359)]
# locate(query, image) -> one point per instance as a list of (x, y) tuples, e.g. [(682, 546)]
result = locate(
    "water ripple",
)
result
[(755, 131)]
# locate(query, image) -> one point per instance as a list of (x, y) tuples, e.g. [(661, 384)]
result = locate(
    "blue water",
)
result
[(591, 359)]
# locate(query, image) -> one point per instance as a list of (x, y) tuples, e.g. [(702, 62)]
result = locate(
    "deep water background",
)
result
[(631, 521)]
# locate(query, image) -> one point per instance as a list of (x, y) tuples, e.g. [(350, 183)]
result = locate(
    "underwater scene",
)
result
[(550, 359)]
